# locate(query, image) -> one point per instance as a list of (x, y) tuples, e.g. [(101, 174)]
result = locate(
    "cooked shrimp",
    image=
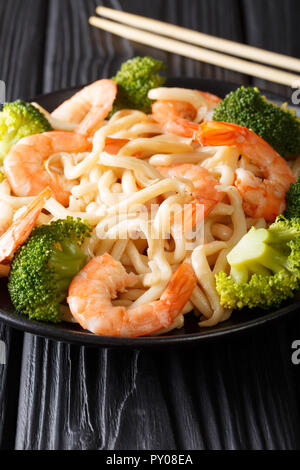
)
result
[(21, 228), (92, 289), (211, 99), (89, 107), (206, 194), (25, 169), (164, 111), (168, 112), (181, 126), (262, 197), (113, 145), (6, 216)]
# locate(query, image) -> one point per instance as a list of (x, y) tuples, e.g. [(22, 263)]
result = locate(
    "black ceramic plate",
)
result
[(190, 333)]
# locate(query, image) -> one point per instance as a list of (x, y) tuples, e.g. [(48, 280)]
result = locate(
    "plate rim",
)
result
[(173, 78), (85, 338)]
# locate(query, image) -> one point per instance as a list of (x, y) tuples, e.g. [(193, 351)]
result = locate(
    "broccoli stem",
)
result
[(279, 236), (265, 267), (257, 253), (239, 273), (66, 261)]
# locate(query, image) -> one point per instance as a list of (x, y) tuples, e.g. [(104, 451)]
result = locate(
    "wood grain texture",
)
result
[(273, 26), (239, 393), (22, 31)]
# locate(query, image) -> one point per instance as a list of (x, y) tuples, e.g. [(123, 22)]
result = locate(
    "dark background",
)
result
[(238, 393)]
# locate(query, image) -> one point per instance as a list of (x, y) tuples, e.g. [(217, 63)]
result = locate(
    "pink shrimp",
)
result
[(211, 99), (21, 228), (89, 106), (206, 194), (262, 197), (113, 145), (24, 165), (169, 112), (92, 289), (164, 111), (6, 216)]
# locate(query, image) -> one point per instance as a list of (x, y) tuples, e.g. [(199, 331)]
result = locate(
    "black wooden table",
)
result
[(238, 393)]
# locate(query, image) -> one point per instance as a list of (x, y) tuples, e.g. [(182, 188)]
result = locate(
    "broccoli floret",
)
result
[(265, 267), (293, 201), (135, 78), (17, 120), (279, 126), (44, 266)]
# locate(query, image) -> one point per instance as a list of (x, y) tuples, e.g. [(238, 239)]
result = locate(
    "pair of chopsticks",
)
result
[(136, 28)]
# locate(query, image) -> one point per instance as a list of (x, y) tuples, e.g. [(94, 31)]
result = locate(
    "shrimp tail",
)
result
[(262, 196), (179, 289), (217, 133), (148, 318), (22, 227)]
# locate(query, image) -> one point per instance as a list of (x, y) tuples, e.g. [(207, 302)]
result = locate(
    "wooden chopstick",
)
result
[(201, 39), (195, 52)]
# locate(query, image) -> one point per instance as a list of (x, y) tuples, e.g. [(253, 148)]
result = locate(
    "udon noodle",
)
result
[(131, 205)]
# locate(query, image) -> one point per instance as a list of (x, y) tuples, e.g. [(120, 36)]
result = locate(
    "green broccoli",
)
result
[(135, 78), (279, 126), (44, 266), (19, 119), (293, 201), (265, 267)]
